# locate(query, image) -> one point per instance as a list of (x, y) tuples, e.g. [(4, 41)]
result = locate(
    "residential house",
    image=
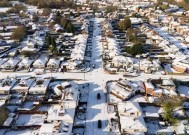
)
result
[(23, 85), (25, 64), (39, 87), (6, 85), (131, 119), (10, 64), (53, 64), (41, 62)]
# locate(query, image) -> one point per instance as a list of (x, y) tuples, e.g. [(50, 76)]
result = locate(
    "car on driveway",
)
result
[(98, 96), (94, 66)]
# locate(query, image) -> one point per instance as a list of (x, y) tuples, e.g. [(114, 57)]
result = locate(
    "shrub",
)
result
[(17, 8), (18, 33), (124, 24), (26, 53), (169, 105), (4, 115), (4, 3), (135, 49)]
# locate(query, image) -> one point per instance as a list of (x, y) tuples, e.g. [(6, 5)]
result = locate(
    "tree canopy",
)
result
[(4, 3), (67, 24), (53, 3), (4, 115), (135, 49), (169, 106), (18, 33), (124, 24), (111, 8), (51, 43), (17, 8)]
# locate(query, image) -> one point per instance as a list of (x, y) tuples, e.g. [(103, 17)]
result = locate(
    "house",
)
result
[(39, 86), (120, 61), (22, 85), (30, 119), (113, 49), (3, 60), (10, 64), (78, 53), (6, 85), (181, 64), (135, 21), (58, 28), (65, 112), (131, 119), (53, 64), (160, 87), (40, 62), (147, 66), (50, 128), (152, 112), (149, 87), (168, 84), (25, 64)]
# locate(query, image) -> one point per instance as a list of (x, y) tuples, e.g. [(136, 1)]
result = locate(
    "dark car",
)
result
[(98, 96), (99, 124)]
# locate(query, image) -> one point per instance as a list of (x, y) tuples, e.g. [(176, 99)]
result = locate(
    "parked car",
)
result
[(99, 124), (93, 65), (98, 96)]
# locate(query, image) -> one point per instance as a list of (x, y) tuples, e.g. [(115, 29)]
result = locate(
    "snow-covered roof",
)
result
[(23, 84), (25, 62), (131, 117), (53, 62), (149, 85), (79, 50), (30, 119), (41, 61), (39, 85), (7, 83), (120, 59), (11, 62)]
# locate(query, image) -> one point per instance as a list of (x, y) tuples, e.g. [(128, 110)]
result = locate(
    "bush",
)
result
[(67, 24), (17, 8), (4, 115), (46, 12), (26, 53), (135, 49), (124, 24), (18, 33), (111, 8), (53, 3), (169, 105), (4, 3)]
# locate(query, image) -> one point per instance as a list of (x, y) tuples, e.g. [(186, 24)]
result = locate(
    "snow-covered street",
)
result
[(96, 108)]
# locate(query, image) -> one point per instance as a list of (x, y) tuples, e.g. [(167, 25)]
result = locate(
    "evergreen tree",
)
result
[(70, 28), (124, 24), (48, 39)]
